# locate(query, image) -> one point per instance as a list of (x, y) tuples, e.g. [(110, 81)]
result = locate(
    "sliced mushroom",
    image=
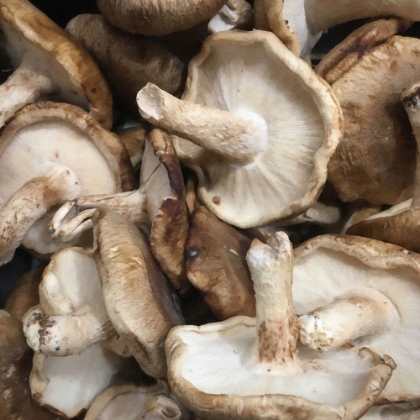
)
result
[(243, 142), (48, 62), (246, 368), (364, 292), (47, 155), (127, 61)]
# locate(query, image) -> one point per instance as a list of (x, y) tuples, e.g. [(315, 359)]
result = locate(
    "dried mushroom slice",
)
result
[(48, 62), (247, 368), (375, 160), (215, 265), (364, 292), (127, 61), (157, 17), (49, 153), (243, 142)]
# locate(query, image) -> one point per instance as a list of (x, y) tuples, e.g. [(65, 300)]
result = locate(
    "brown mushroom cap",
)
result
[(159, 17), (216, 265), (375, 160), (40, 46), (127, 61)]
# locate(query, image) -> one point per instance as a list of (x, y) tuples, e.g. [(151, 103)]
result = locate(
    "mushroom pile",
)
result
[(217, 226)]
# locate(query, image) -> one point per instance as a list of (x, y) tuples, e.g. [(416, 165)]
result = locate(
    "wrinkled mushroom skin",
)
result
[(79, 79), (157, 17)]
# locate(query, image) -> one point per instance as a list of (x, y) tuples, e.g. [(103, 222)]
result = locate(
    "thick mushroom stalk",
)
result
[(237, 136), (271, 267), (52, 187), (328, 327)]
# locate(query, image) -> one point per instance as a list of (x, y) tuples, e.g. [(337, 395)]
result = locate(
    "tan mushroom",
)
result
[(358, 291), (47, 154), (127, 61), (158, 17), (253, 118), (375, 160), (249, 368), (399, 224), (48, 62)]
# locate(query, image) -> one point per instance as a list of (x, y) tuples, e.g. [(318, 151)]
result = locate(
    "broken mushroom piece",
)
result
[(399, 224), (375, 160), (127, 61), (256, 162), (131, 402), (157, 18), (354, 290), (235, 14), (48, 62), (253, 366), (49, 153), (159, 204), (138, 298)]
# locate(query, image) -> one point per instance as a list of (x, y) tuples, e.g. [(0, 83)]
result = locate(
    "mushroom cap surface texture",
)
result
[(254, 76), (375, 160), (48, 48), (332, 267)]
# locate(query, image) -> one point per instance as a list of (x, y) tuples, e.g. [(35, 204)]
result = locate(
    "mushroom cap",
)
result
[(77, 79), (65, 134), (215, 264), (343, 266), (254, 75), (208, 371), (375, 160), (159, 17), (127, 61)]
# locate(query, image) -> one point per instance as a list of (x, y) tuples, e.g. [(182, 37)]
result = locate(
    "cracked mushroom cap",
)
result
[(375, 160), (161, 17), (127, 61), (48, 61), (252, 368), (349, 289), (283, 126), (42, 141)]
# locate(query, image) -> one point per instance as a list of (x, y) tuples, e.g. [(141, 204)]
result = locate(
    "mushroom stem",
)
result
[(345, 320), (271, 267), (35, 198), (238, 137), (411, 101), (64, 335), (22, 87)]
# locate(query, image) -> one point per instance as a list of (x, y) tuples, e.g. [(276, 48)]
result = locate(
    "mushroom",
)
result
[(248, 368), (49, 153), (399, 224), (352, 290), (157, 17), (158, 203), (48, 62), (131, 402), (235, 14), (127, 61), (134, 139), (138, 299), (15, 357), (215, 265), (375, 160), (230, 110)]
